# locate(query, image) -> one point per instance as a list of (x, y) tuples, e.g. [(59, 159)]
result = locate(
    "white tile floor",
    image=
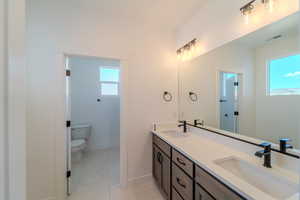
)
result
[(95, 178), (142, 189)]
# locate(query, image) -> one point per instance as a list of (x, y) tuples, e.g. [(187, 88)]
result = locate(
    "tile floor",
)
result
[(96, 177), (142, 189)]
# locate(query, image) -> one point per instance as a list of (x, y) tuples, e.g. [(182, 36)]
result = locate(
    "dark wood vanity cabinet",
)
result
[(180, 179), (214, 187), (162, 170), (201, 194)]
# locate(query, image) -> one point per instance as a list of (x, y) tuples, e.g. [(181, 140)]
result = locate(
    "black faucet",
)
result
[(266, 153), (196, 122), (184, 124), (284, 145)]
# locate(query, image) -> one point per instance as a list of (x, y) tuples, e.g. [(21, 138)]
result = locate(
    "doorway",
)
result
[(93, 126), (229, 99)]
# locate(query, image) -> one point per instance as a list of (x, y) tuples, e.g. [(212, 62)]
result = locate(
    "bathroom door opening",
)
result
[(229, 99), (93, 122)]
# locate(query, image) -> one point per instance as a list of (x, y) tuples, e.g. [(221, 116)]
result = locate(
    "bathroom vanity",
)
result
[(197, 166)]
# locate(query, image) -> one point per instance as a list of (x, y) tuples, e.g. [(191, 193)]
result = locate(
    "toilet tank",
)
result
[(80, 131)]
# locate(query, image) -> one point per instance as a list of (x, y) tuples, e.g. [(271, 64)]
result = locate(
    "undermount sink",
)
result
[(175, 133), (262, 179)]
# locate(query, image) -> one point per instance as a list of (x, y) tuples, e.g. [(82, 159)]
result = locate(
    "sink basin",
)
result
[(262, 179), (175, 133)]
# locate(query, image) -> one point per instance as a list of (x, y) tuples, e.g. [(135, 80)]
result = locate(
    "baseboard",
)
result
[(131, 180), (49, 198)]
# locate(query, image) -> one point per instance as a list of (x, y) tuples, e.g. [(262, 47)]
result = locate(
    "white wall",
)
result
[(3, 141), (103, 116), (276, 116), (201, 76), (16, 103), (54, 29), (225, 16)]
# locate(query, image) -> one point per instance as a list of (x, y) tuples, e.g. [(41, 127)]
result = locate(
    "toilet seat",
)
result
[(78, 145)]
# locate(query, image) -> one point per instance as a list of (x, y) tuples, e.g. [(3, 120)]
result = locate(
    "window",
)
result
[(109, 81), (284, 76)]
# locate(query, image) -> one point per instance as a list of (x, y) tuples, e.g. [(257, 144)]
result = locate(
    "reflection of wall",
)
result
[(200, 76), (276, 116), (103, 116)]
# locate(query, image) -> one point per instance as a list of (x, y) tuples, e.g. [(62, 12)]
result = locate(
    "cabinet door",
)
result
[(157, 168), (200, 194), (175, 195), (166, 176)]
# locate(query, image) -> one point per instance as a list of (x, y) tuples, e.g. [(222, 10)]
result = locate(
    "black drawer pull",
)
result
[(181, 161), (179, 182)]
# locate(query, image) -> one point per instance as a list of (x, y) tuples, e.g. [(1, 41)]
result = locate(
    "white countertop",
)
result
[(204, 151)]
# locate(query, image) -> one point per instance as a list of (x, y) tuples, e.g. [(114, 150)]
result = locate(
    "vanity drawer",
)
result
[(214, 187), (175, 195), (182, 182), (183, 162), (165, 147), (200, 194)]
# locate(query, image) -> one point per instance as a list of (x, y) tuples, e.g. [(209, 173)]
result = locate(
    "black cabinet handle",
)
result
[(158, 154), (179, 182), (181, 161), (159, 157)]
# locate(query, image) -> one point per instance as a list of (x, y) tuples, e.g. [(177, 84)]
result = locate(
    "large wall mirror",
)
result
[(248, 87)]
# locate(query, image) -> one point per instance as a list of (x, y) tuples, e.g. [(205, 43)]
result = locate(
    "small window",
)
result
[(284, 76), (109, 81)]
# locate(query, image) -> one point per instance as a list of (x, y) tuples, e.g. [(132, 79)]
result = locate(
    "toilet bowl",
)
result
[(80, 134)]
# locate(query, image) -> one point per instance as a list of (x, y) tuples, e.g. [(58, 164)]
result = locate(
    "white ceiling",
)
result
[(168, 13)]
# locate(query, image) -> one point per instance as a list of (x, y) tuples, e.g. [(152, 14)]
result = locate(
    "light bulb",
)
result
[(269, 4), (192, 51), (179, 56), (184, 56)]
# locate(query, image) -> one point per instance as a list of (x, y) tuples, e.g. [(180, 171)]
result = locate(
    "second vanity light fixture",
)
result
[(188, 51), (247, 9)]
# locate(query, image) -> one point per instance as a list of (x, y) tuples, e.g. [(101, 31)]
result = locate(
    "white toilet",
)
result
[(80, 134)]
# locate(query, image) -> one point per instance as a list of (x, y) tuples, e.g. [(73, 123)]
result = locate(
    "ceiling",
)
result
[(163, 13)]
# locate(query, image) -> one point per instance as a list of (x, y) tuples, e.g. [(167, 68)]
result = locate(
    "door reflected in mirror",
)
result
[(250, 86), (229, 101)]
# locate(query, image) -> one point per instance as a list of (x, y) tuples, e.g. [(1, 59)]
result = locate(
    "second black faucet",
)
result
[(266, 153), (184, 125)]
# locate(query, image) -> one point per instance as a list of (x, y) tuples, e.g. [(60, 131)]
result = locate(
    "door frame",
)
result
[(240, 80), (123, 115), (13, 101)]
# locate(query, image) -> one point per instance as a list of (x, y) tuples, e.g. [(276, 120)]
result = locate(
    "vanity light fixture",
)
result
[(188, 51), (247, 9)]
